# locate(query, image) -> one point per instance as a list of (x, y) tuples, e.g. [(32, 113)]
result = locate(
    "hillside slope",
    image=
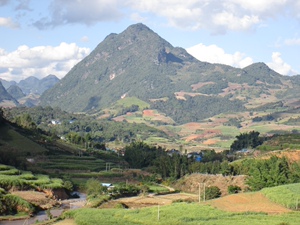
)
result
[(139, 63)]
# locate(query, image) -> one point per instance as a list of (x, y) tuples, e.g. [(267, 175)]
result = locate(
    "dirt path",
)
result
[(66, 222), (248, 202)]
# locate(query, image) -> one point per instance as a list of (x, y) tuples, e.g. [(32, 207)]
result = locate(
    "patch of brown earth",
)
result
[(119, 118), (193, 137), (200, 85), (148, 201), (148, 112), (66, 222), (248, 202), (36, 198), (210, 142), (181, 95), (206, 135), (292, 156)]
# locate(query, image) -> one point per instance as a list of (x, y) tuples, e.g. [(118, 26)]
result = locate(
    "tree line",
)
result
[(261, 172)]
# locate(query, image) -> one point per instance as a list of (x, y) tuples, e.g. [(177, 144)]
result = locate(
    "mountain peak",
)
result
[(261, 67), (138, 27)]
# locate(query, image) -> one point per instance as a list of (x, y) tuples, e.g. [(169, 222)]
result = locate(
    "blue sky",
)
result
[(39, 38)]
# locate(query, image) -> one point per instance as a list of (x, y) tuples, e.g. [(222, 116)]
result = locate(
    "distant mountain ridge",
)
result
[(32, 85), (27, 91), (139, 63)]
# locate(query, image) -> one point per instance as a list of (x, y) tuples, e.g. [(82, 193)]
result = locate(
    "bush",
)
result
[(95, 188), (212, 192), (233, 189)]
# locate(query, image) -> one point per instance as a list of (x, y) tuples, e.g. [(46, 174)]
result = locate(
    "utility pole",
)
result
[(204, 191), (199, 192), (107, 166)]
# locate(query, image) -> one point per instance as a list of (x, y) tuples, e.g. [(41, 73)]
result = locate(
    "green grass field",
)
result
[(11, 177), (177, 214), (194, 213), (286, 195)]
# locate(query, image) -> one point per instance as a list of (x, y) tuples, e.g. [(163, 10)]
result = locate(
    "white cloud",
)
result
[(85, 39), (215, 54), (136, 17), (8, 22), (213, 15), (292, 41), (218, 16), (86, 12), (40, 61), (280, 66)]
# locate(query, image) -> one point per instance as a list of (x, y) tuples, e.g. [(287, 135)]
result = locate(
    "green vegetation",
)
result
[(212, 192), (189, 110), (177, 213), (247, 140), (15, 146), (11, 204), (13, 178), (233, 189), (286, 195), (80, 129), (281, 142)]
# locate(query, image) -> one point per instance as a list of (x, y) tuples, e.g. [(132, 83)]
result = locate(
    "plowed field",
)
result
[(248, 202)]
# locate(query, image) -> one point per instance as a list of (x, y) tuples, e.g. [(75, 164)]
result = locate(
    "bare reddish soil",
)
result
[(248, 202), (148, 112), (206, 135)]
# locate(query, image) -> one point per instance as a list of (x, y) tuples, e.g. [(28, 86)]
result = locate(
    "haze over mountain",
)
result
[(139, 63), (32, 85), (6, 84), (15, 91)]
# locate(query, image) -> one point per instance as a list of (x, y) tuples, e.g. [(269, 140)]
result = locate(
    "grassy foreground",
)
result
[(286, 195), (177, 213)]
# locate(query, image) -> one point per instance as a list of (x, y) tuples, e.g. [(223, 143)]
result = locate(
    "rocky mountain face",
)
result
[(139, 63)]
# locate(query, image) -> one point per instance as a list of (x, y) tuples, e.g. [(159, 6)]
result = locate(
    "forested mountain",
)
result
[(139, 63)]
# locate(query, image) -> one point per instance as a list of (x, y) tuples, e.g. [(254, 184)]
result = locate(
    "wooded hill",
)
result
[(139, 63)]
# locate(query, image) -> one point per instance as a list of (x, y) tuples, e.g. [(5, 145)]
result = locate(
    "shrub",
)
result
[(212, 192), (233, 189)]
